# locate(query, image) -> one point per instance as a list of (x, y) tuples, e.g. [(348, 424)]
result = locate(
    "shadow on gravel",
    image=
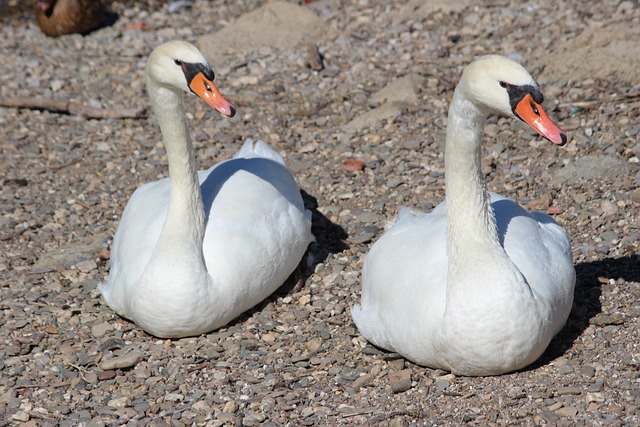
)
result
[(330, 239), (586, 301)]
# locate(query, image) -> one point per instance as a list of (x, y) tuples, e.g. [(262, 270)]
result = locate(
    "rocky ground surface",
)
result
[(361, 122)]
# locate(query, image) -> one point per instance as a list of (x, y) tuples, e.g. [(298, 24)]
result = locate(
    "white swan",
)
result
[(195, 250), (479, 286)]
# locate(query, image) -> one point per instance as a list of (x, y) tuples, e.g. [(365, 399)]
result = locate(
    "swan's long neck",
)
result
[(184, 225), (472, 238)]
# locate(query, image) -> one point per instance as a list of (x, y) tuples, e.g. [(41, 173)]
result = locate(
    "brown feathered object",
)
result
[(59, 17)]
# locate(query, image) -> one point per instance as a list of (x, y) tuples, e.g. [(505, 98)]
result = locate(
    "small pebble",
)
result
[(548, 416), (602, 319), (122, 362), (230, 407), (587, 371), (253, 419), (396, 364), (87, 266), (173, 397), (595, 397), (597, 386), (91, 377), (608, 207), (399, 422), (556, 406), (555, 210), (400, 381), (119, 402), (567, 412), (106, 375), (100, 330), (314, 345), (562, 391), (363, 380), (21, 416), (353, 165)]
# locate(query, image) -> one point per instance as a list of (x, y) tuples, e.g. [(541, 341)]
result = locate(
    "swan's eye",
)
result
[(178, 62), (504, 84)]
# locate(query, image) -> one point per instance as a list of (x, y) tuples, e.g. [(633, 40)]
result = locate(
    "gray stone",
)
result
[(128, 360), (592, 166), (404, 89), (275, 24)]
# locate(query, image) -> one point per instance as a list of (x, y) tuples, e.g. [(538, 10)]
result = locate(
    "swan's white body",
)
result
[(478, 286), (194, 251)]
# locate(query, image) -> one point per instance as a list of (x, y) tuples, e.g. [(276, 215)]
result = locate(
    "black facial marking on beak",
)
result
[(191, 70), (517, 93)]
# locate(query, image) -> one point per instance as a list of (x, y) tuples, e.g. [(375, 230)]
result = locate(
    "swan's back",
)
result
[(256, 218), (259, 148)]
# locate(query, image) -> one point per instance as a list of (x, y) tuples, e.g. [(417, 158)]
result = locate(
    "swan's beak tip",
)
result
[(563, 139), (225, 108), (557, 135)]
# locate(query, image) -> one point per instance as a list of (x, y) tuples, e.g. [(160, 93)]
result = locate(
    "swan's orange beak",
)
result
[(206, 90), (533, 114)]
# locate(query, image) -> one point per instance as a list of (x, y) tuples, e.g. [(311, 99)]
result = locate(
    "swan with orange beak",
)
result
[(478, 286), (195, 250)]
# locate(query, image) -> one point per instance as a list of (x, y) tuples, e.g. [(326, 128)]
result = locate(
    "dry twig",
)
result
[(72, 108)]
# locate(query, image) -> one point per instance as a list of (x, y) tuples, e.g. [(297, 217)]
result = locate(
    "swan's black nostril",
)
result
[(233, 111), (563, 137)]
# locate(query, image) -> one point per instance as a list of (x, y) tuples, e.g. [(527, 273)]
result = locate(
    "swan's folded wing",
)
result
[(133, 243), (394, 282), (541, 250)]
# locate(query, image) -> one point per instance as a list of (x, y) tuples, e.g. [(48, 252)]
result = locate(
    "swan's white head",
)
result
[(503, 86), (180, 65)]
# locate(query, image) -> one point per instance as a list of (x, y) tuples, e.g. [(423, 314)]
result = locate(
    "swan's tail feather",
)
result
[(368, 324), (258, 148), (106, 289)]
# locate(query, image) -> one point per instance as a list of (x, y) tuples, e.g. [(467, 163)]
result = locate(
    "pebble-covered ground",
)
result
[(374, 93)]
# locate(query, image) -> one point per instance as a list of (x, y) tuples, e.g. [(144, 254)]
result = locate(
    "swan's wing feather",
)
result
[(541, 250), (133, 243), (257, 229), (259, 148), (393, 282)]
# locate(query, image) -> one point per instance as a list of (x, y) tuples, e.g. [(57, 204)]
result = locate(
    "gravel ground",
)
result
[(378, 95)]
